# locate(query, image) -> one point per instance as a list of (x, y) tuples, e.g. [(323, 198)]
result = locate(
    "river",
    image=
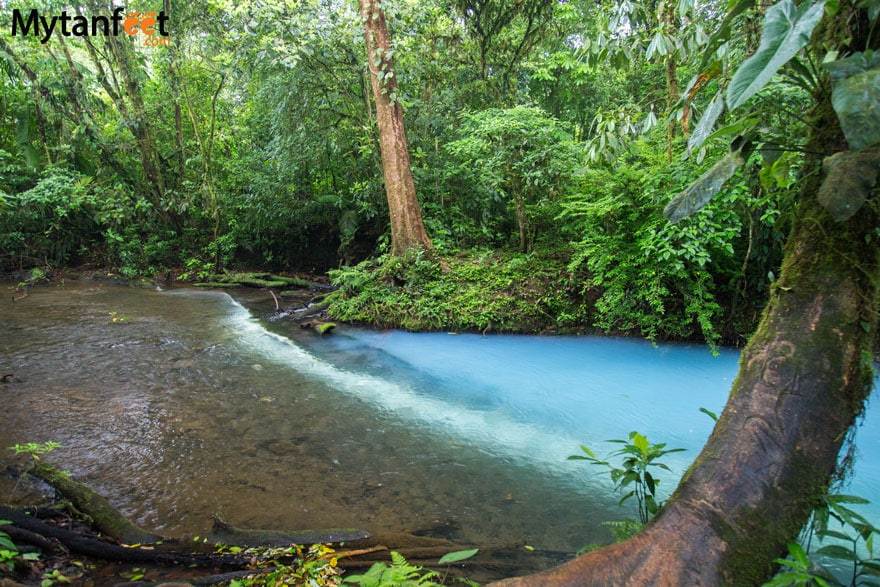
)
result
[(182, 403)]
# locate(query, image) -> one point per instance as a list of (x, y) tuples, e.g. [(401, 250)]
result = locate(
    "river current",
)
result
[(182, 403)]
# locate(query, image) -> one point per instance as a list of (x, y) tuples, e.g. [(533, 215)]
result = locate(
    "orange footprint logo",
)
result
[(139, 21)]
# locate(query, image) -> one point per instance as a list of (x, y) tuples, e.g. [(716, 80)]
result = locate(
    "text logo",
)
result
[(153, 25)]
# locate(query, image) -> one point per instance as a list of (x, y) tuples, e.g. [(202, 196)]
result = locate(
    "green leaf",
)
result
[(707, 123), (856, 97), (787, 29), (837, 551), (740, 127), (709, 413), (587, 450), (702, 190), (835, 534), (640, 442), (459, 555), (658, 46), (6, 543), (843, 498), (649, 482), (873, 8), (850, 177), (797, 553)]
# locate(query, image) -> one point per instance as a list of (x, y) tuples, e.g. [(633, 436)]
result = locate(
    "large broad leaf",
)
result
[(701, 191), (707, 123), (851, 176), (856, 97), (787, 29)]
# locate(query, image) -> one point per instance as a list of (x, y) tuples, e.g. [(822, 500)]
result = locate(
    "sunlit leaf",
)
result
[(856, 97), (787, 29), (797, 553), (850, 177)]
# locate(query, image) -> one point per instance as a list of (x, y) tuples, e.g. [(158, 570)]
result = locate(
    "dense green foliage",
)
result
[(540, 135), (486, 292)]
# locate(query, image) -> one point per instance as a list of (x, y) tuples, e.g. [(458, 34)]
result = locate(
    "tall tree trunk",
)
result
[(137, 118), (673, 93), (407, 229), (803, 380), (173, 62)]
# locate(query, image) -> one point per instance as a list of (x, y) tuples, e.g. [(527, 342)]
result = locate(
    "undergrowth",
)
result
[(483, 292)]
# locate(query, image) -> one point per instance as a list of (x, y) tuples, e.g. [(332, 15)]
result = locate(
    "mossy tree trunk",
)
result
[(407, 228), (803, 380), (670, 66)]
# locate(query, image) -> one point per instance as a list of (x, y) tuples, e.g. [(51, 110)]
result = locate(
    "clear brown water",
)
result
[(185, 406)]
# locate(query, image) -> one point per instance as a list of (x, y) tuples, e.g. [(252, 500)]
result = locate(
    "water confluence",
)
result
[(182, 403)]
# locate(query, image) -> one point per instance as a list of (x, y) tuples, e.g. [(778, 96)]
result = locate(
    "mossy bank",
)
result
[(476, 292)]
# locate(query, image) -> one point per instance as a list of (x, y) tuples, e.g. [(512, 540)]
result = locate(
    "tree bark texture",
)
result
[(407, 229), (803, 380)]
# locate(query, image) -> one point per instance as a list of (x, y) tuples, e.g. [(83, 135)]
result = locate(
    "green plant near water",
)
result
[(307, 565), (8, 550), (9, 553), (633, 477), (35, 449), (400, 572), (852, 547), (317, 565)]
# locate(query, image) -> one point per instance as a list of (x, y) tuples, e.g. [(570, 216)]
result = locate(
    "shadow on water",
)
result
[(180, 404)]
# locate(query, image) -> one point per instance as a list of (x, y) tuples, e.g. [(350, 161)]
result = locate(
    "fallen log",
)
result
[(101, 548), (226, 533), (354, 548), (106, 518)]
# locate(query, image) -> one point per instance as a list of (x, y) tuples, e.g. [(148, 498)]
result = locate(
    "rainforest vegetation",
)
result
[(544, 140), (671, 169)]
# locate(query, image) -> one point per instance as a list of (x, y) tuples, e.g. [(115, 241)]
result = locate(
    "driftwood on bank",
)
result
[(354, 548), (38, 533)]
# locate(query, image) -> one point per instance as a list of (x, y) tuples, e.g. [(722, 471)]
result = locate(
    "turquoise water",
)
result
[(536, 397), (178, 404)]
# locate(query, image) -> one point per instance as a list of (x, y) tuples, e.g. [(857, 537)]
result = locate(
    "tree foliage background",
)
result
[(552, 128)]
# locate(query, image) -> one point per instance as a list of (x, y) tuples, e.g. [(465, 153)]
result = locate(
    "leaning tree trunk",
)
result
[(407, 229), (803, 380)]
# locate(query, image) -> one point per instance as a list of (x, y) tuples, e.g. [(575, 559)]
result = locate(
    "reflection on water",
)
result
[(180, 404)]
